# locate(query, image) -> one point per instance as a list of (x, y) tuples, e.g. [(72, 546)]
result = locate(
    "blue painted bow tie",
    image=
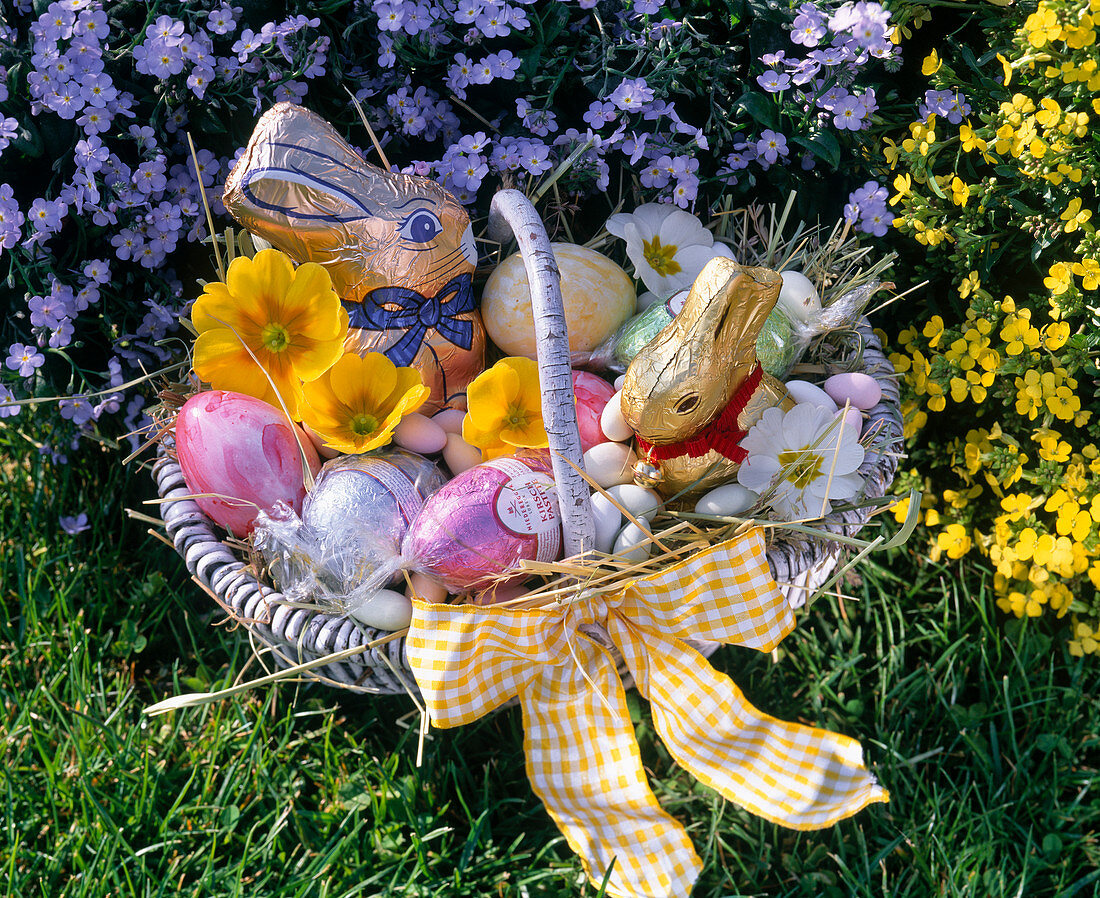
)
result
[(400, 308)]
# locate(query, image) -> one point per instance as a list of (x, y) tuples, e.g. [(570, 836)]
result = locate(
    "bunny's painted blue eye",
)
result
[(421, 227)]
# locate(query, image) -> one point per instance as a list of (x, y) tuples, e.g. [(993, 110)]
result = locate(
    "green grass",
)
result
[(987, 738)]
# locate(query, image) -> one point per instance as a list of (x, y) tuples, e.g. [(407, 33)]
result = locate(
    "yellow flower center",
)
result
[(363, 424), (517, 417), (800, 468), (275, 337), (661, 258)]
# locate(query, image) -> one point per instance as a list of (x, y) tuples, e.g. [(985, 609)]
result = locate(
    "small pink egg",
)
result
[(246, 452), (853, 419), (592, 393), (860, 389), (419, 434), (450, 419)]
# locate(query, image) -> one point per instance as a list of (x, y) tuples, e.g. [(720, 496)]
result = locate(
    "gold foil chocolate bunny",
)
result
[(399, 248), (695, 389)]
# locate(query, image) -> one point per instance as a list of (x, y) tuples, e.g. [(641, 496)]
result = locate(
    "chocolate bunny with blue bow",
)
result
[(399, 248)]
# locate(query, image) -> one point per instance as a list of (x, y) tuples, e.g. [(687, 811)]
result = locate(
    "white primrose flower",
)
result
[(668, 246), (802, 458)]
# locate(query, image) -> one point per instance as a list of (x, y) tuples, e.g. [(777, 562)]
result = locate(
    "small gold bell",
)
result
[(646, 473)]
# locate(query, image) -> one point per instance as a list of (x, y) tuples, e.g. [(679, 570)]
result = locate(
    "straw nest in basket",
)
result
[(305, 638)]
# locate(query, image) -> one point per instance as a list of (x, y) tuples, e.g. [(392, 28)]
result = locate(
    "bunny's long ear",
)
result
[(297, 172)]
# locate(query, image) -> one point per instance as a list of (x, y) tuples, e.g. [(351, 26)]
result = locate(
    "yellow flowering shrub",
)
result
[(1001, 384)]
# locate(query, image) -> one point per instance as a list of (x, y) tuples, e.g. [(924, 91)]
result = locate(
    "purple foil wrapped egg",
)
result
[(485, 521), (246, 452), (362, 505)]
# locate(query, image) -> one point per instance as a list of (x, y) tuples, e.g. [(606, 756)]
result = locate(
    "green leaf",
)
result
[(759, 108), (823, 145)]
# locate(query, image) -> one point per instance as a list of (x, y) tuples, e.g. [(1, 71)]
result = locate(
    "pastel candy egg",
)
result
[(459, 455), (729, 499), (384, 610), (419, 433), (450, 419), (610, 464), (592, 393), (804, 391), (633, 544), (245, 451), (613, 422), (798, 296), (597, 294), (608, 520), (860, 389), (426, 588), (641, 502), (853, 419)]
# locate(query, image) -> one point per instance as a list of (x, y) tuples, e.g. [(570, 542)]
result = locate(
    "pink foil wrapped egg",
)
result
[(242, 449), (485, 521), (593, 393)]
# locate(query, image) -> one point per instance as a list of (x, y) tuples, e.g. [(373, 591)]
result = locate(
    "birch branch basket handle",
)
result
[(512, 215)]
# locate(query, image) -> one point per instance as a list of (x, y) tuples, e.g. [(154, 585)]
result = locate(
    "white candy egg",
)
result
[(612, 422), (385, 610), (608, 519), (639, 501), (804, 391), (610, 464), (632, 544), (730, 499), (799, 297)]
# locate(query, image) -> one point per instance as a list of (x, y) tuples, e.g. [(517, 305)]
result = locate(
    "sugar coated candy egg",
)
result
[(598, 297), (798, 296), (857, 388), (485, 521), (246, 453)]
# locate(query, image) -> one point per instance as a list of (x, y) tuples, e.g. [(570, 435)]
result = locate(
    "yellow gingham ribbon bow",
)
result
[(582, 756)]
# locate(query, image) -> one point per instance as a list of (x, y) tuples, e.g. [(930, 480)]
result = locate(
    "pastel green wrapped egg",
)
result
[(776, 346), (598, 297)]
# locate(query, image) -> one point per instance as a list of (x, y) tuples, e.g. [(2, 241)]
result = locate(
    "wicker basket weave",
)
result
[(296, 635)]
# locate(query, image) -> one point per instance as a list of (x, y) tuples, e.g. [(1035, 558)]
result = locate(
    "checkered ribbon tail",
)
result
[(582, 756)]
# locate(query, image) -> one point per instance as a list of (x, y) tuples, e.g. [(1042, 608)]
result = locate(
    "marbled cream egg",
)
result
[(598, 297)]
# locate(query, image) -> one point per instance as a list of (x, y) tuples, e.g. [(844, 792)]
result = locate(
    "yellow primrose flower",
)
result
[(505, 408), (269, 317), (356, 404)]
